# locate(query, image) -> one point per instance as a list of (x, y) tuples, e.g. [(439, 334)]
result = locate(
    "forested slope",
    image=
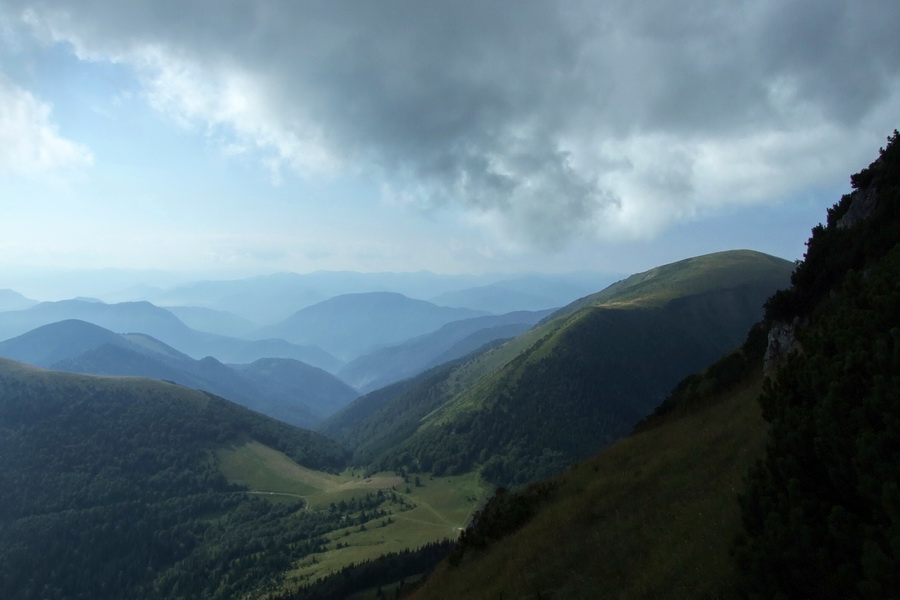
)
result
[(109, 488)]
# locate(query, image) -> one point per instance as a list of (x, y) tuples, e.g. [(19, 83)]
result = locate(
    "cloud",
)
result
[(551, 120), (29, 142)]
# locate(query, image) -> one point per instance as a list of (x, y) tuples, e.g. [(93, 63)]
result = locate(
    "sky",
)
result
[(228, 138)]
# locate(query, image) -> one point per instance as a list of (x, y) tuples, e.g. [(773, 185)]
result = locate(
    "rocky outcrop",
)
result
[(782, 341), (862, 204)]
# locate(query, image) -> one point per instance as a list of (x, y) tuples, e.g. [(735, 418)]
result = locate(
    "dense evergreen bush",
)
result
[(822, 512)]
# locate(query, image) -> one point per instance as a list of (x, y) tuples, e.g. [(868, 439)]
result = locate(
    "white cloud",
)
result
[(29, 141)]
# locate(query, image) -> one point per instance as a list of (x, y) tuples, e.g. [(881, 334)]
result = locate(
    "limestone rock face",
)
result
[(782, 340), (862, 204)]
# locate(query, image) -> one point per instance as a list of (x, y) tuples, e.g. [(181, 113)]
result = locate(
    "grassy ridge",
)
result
[(578, 381)]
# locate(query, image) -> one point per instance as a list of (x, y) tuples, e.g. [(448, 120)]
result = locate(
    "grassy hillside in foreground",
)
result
[(654, 516), (574, 384)]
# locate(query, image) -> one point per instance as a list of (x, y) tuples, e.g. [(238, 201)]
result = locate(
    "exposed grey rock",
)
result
[(782, 341), (862, 203)]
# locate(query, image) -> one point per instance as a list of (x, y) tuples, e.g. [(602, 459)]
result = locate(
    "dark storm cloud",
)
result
[(557, 118)]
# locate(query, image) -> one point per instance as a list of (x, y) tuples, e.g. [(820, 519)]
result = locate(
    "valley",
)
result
[(418, 508)]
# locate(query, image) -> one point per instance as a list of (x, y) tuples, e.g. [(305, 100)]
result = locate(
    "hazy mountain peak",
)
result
[(13, 300)]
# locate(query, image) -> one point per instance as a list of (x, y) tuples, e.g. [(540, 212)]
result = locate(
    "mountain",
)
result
[(110, 488), (293, 381), (49, 344), (122, 317), (13, 300), (771, 474), (272, 298), (144, 317), (570, 386), (350, 325), (387, 365), (300, 394)]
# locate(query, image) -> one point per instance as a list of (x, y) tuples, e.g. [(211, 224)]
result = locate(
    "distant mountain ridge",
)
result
[(272, 298), (453, 340), (302, 399), (13, 300), (144, 317), (350, 325)]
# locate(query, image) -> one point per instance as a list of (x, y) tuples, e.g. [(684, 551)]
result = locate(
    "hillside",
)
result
[(654, 516), (572, 385), (291, 381), (109, 488), (51, 343), (454, 340), (741, 484)]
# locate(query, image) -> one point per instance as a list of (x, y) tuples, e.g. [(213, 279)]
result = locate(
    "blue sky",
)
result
[(232, 137)]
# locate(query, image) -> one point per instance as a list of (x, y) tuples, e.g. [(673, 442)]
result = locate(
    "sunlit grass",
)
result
[(435, 509)]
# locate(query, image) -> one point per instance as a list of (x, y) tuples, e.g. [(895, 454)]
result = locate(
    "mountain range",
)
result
[(723, 426), (144, 317), (286, 389), (273, 298)]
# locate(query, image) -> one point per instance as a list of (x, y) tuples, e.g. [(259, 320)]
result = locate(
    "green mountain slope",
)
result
[(109, 488), (741, 484), (577, 382), (454, 340), (653, 516)]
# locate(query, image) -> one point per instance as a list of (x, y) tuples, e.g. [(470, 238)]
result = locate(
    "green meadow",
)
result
[(417, 508)]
